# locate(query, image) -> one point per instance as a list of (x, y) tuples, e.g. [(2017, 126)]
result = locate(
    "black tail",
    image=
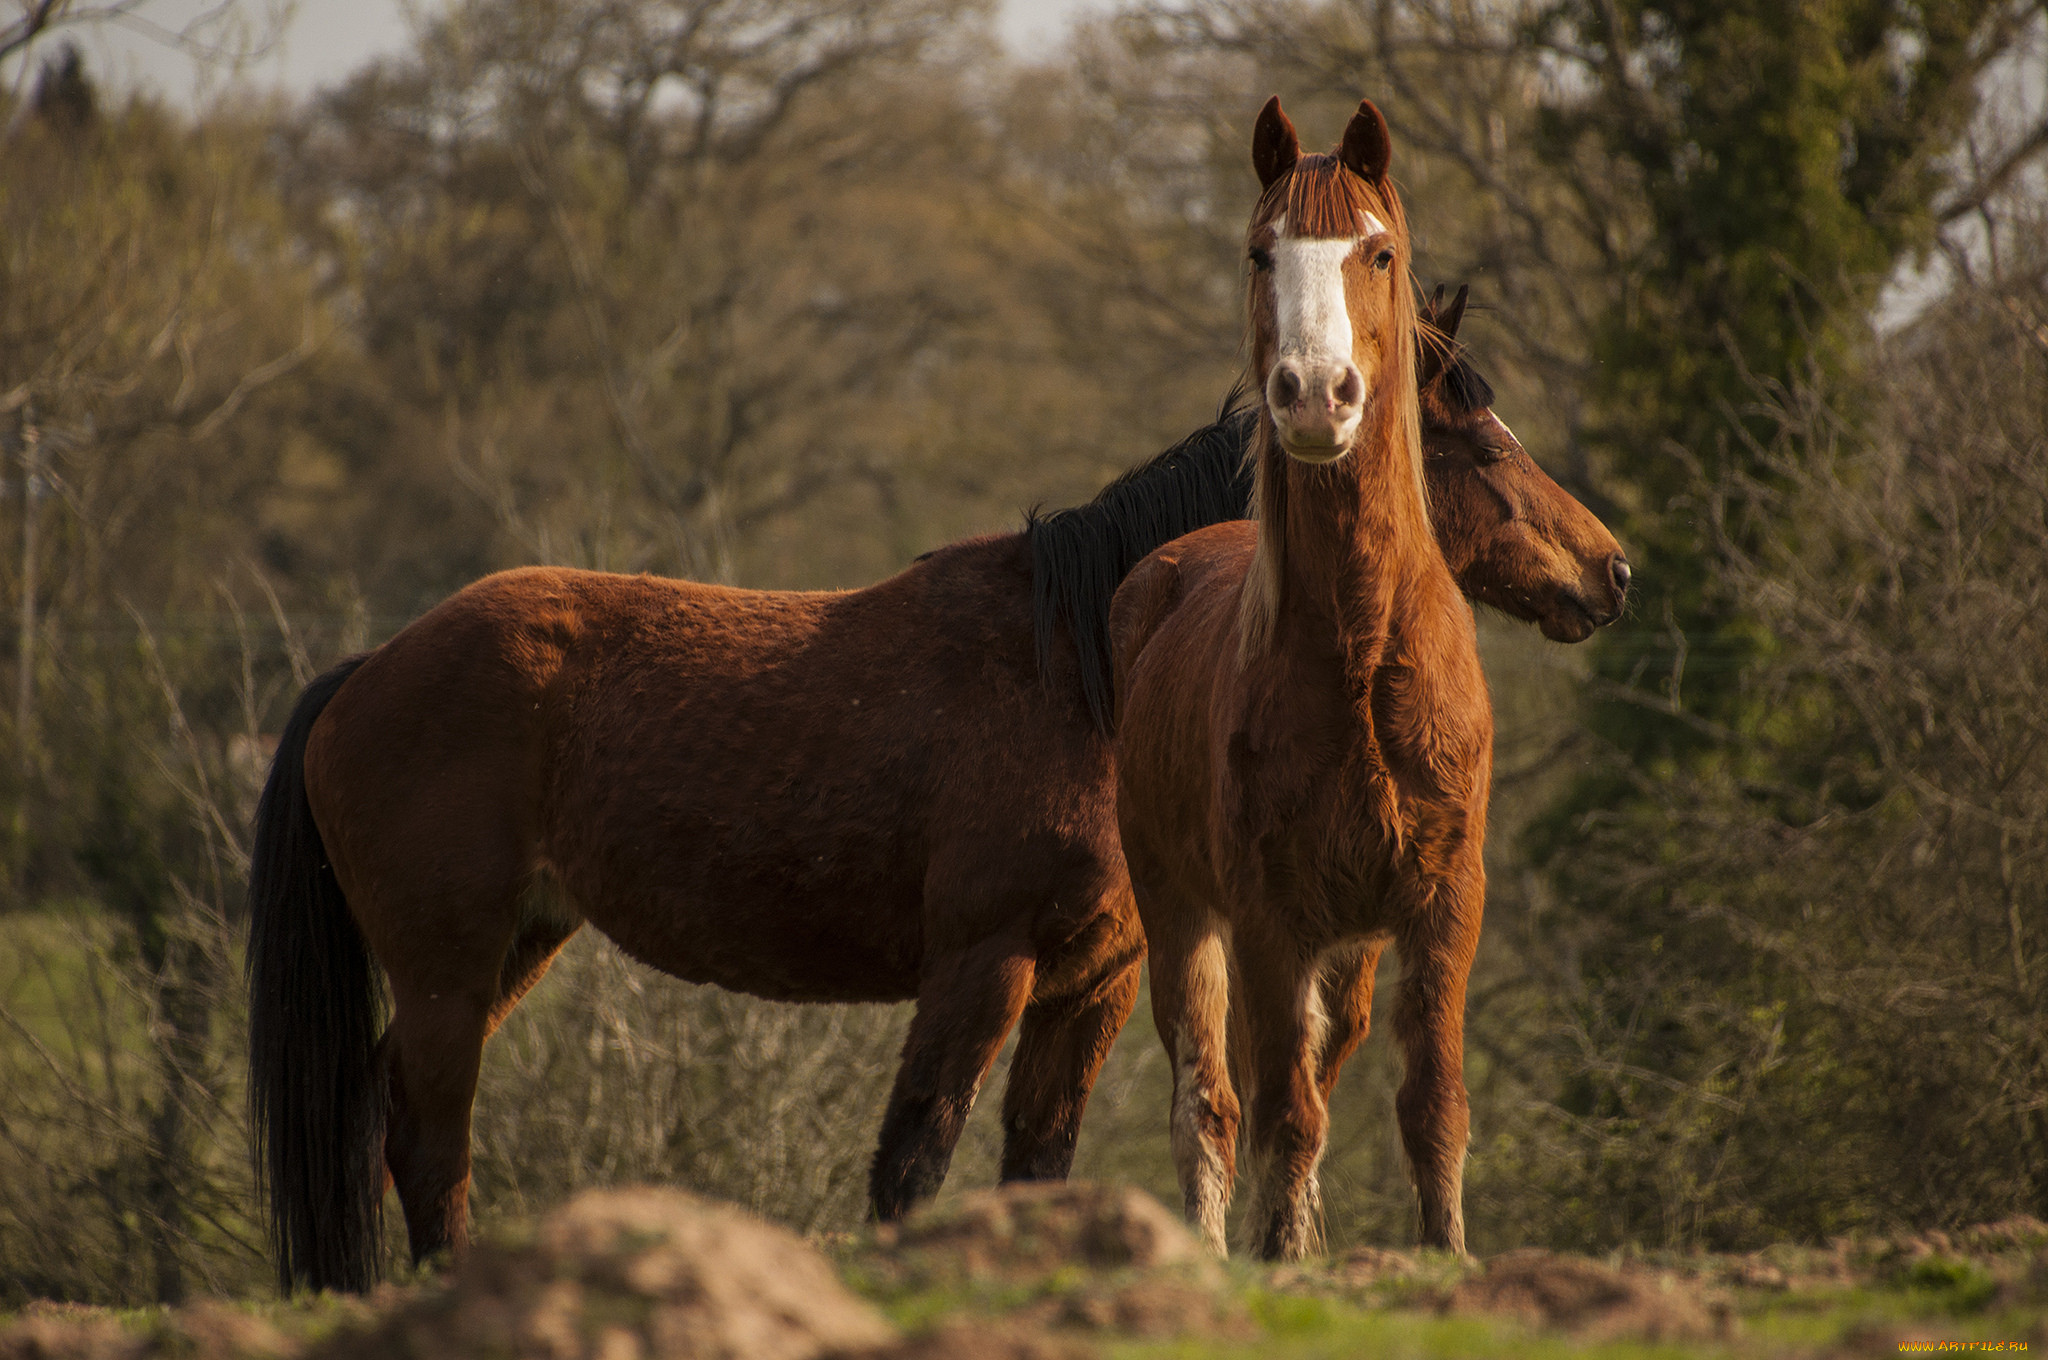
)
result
[(316, 1099), (1080, 556)]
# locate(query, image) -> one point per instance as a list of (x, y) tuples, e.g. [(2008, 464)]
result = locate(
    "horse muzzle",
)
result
[(1317, 406)]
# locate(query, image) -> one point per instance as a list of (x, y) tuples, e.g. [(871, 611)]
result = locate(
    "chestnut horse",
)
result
[(1304, 736), (1513, 538), (834, 797)]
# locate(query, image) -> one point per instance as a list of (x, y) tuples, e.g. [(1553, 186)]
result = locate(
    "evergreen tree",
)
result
[(1758, 169)]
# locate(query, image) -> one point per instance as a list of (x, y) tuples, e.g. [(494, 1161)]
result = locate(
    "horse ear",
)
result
[(1432, 353), (1447, 320), (1433, 347), (1368, 148), (1275, 148)]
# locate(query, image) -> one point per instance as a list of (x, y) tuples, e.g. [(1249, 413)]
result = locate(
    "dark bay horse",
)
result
[(869, 795), (1304, 735)]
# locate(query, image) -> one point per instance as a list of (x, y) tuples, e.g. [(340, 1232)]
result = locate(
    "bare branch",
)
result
[(39, 17), (1989, 182)]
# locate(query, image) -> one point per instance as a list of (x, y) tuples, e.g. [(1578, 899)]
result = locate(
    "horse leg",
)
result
[(526, 963), (486, 953), (1429, 1023), (432, 1053), (1289, 1120), (966, 1006), (1190, 1007), (1061, 1046), (1347, 985)]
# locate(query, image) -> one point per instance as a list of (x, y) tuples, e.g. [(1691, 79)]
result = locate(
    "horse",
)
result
[(856, 796), (1304, 737), (1513, 538)]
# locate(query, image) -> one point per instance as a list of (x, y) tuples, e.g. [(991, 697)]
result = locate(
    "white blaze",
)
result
[(1308, 283)]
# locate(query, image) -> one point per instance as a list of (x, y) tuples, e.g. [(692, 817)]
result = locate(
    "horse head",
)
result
[(1329, 251), (1514, 538)]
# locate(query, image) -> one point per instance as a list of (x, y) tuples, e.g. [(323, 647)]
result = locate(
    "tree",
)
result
[(1759, 170), (154, 318), (646, 306), (1818, 1008)]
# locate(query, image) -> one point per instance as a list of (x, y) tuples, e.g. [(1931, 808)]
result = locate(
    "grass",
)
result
[(55, 972), (1288, 1314), (1336, 1331)]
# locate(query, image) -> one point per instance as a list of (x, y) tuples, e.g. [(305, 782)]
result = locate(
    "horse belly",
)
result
[(775, 915), (767, 940), (745, 853)]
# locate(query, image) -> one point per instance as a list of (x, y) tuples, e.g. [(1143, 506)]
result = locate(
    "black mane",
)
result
[(1080, 556), (1465, 388)]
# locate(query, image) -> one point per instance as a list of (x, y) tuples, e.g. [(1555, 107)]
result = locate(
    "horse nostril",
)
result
[(1618, 568), (1286, 387), (1351, 388)]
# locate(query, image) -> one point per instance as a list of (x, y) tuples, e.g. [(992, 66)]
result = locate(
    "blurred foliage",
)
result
[(786, 293), (617, 1073), (1820, 1010)]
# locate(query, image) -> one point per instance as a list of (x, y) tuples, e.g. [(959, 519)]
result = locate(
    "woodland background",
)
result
[(784, 292)]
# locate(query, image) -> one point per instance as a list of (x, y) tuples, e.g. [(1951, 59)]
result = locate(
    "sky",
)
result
[(326, 39)]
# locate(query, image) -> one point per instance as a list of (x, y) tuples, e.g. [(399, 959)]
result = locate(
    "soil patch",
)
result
[(1031, 1230), (1591, 1300), (204, 1331), (620, 1274), (1078, 1257)]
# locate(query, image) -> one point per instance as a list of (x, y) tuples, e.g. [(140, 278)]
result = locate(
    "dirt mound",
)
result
[(1362, 1266), (1591, 1300), (48, 1334), (626, 1274), (1030, 1230), (1754, 1271), (1102, 1259), (205, 1331), (1368, 1276), (619, 1274), (1155, 1307)]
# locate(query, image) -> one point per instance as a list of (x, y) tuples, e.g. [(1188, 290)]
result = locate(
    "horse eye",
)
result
[(1383, 259), (1486, 455), (1262, 259)]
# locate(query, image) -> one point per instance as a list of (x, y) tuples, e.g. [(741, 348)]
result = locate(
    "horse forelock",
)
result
[(1323, 199)]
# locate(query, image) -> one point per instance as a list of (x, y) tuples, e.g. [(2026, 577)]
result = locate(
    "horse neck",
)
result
[(1354, 551)]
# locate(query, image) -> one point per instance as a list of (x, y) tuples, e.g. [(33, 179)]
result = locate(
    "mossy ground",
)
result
[(1874, 1299), (1984, 1292)]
